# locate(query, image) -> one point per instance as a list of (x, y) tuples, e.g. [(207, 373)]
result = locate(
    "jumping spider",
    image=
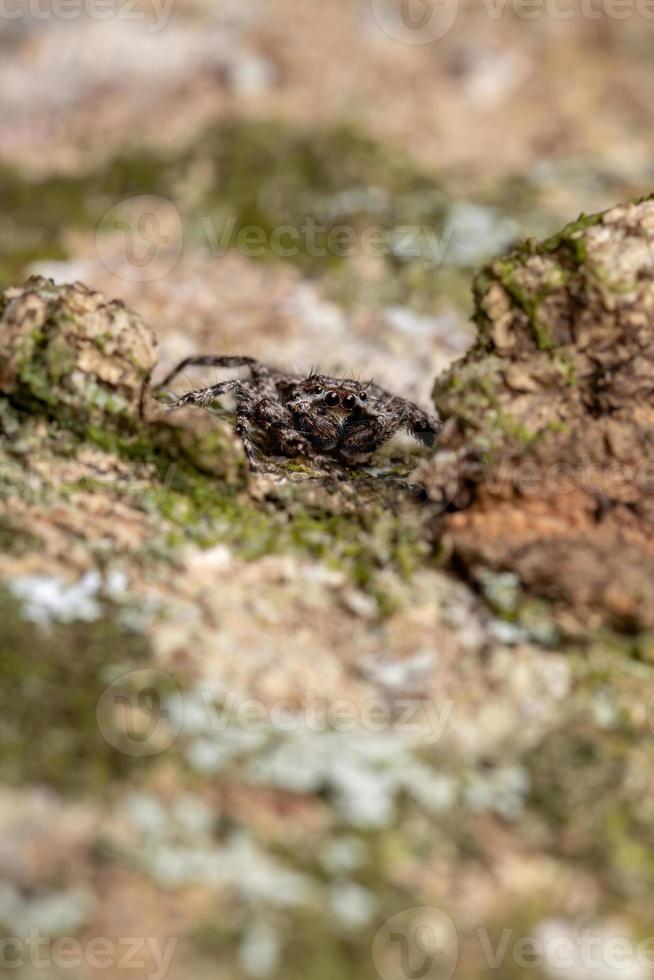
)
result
[(316, 416)]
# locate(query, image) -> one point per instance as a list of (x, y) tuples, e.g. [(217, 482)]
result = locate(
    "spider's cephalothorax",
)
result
[(313, 416), (328, 409)]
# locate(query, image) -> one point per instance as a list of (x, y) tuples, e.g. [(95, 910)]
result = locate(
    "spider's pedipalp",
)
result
[(427, 434), (422, 426), (368, 433)]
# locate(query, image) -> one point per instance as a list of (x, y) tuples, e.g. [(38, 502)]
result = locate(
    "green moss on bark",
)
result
[(51, 679)]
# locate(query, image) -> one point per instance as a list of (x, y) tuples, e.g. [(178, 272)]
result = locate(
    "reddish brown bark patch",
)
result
[(548, 459)]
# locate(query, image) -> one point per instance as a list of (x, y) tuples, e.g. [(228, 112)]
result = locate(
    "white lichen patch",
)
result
[(60, 913), (47, 600)]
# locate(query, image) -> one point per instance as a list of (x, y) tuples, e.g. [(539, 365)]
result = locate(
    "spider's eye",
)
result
[(332, 398), (349, 401), (363, 397), (317, 390)]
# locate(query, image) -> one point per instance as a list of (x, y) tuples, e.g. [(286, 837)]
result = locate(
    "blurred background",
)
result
[(481, 122), (316, 183)]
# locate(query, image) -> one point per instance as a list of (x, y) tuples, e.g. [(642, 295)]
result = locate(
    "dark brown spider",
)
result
[(315, 416)]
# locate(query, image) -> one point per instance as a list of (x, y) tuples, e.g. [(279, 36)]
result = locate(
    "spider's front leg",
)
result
[(272, 417), (257, 414), (265, 378), (246, 398), (254, 413), (205, 396), (210, 360)]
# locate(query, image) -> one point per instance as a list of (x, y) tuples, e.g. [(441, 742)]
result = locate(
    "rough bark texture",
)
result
[(517, 797), (69, 348), (137, 553), (551, 421)]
